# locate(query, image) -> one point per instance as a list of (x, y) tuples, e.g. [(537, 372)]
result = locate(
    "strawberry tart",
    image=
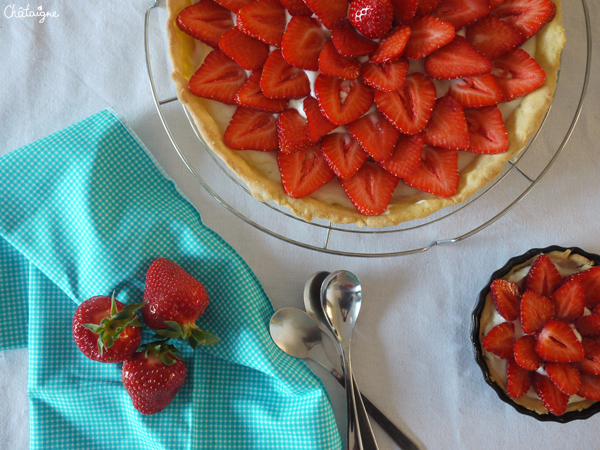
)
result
[(537, 330), (366, 112)]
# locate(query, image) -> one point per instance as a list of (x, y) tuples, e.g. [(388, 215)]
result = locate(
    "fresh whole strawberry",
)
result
[(106, 330), (373, 18), (174, 299)]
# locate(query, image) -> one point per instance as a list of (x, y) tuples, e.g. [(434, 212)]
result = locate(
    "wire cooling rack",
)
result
[(450, 225)]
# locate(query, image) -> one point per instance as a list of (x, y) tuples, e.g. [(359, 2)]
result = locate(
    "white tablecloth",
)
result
[(411, 350)]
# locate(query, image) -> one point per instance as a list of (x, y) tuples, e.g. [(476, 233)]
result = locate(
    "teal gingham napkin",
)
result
[(84, 212)]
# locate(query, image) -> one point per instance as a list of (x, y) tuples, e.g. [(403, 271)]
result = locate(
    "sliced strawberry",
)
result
[(390, 47), (248, 52), (409, 108), (302, 42), (343, 154), (292, 131), (492, 37), (461, 13), (404, 10), (565, 377), (218, 78), (370, 189), (206, 21), (535, 311), (553, 399), (524, 353), (233, 5), (427, 6), (507, 298), (348, 42), (303, 172), (527, 16), (296, 7), (476, 92), (372, 18), (588, 326), (457, 59), (263, 20), (329, 12), (569, 301), (557, 343), (590, 387), (318, 125), (518, 380), (375, 134), (428, 33), (543, 277), (447, 125), (591, 282), (517, 74), (251, 96), (500, 340), (487, 133), (332, 64), (406, 156), (387, 77), (251, 130), (437, 173), (342, 101), (494, 4), (281, 80), (590, 363)]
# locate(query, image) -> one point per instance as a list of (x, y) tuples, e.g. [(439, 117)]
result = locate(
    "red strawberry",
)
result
[(392, 46), (281, 80), (535, 311), (343, 154), (427, 6), (409, 108), (507, 298), (153, 377), (370, 189), (591, 282), (404, 10), (492, 37), (264, 20), (233, 5), (437, 173), (543, 277), (106, 330), (475, 92), (590, 387), (517, 74), (428, 33), (524, 353), (218, 78), (406, 157), (461, 13), (173, 301), (569, 301), (564, 376), (342, 101), (248, 52), (252, 130), (487, 133), (590, 363), (296, 7), (500, 340), (332, 64), (387, 77), (589, 326), (447, 125), (317, 124), (329, 12), (251, 96), (302, 42), (457, 59), (557, 343), (375, 134), (348, 42), (292, 131), (206, 21), (527, 16), (303, 172), (553, 399), (373, 18), (518, 380)]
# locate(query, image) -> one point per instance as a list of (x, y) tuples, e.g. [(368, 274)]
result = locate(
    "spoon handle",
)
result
[(366, 431)]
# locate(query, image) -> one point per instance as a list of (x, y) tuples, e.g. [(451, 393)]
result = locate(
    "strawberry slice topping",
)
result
[(589, 326), (543, 277), (427, 6), (342, 101), (233, 5), (329, 12), (264, 20), (517, 74), (206, 21), (518, 380), (524, 353), (372, 18), (590, 363), (218, 78), (487, 133), (343, 154), (437, 173), (292, 131), (251, 130), (557, 343), (569, 301), (565, 377), (281, 80), (447, 126), (535, 311), (387, 77), (591, 283), (406, 157), (456, 60), (391, 46), (296, 7), (476, 92), (501, 340), (370, 189), (332, 64), (461, 13), (248, 52), (251, 96), (428, 33), (303, 172), (527, 16), (317, 123), (302, 42), (492, 37), (375, 134), (590, 387), (348, 42), (553, 399), (507, 298), (404, 10)]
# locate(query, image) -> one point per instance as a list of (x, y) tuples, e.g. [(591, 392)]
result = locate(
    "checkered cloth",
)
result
[(84, 212)]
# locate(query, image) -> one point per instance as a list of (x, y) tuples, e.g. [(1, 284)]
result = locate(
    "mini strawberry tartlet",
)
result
[(537, 333)]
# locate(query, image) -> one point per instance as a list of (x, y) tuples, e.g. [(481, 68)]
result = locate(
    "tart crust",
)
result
[(211, 120)]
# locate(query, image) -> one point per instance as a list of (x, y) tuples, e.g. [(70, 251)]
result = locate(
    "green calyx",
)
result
[(110, 328), (168, 354), (189, 332)]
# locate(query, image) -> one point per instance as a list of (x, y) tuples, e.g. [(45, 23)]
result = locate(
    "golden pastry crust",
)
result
[(187, 54)]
